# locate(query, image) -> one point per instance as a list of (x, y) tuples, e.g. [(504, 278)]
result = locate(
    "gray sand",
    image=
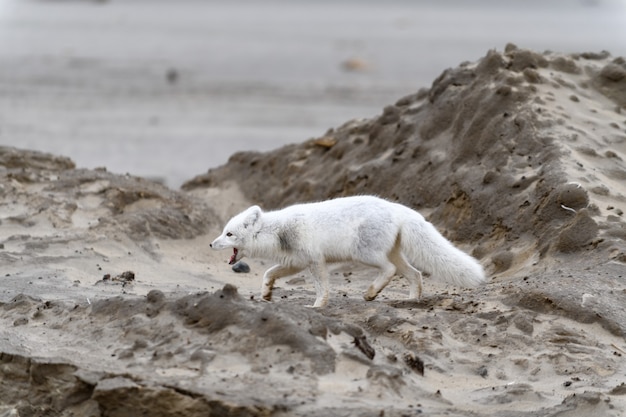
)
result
[(517, 157)]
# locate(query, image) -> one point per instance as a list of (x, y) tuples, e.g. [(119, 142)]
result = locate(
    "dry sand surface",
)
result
[(518, 158)]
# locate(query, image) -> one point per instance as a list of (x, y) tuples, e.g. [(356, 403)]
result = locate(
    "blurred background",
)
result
[(169, 88)]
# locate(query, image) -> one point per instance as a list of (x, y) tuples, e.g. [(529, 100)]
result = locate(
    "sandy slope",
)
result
[(518, 158)]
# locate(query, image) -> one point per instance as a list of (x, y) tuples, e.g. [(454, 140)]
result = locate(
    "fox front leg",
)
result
[(320, 277), (270, 277)]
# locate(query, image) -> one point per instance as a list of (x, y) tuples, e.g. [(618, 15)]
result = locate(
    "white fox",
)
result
[(367, 229)]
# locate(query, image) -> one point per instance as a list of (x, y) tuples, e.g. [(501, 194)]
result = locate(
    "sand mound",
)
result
[(139, 207), (183, 337), (111, 303), (520, 156), (218, 353), (518, 151), (63, 225)]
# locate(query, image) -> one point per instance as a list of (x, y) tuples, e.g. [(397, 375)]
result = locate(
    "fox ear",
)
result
[(252, 216)]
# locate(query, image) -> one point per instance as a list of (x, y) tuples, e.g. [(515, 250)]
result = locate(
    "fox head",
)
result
[(237, 233)]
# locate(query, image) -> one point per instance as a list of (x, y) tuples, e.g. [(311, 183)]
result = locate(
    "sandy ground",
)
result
[(518, 158)]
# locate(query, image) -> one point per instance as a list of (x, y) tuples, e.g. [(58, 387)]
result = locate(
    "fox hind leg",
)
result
[(411, 274), (392, 263), (272, 274), (387, 271)]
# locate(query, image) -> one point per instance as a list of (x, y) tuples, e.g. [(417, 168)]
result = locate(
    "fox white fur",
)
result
[(367, 229)]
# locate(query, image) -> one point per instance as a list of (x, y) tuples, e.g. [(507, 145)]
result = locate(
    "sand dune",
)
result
[(518, 158)]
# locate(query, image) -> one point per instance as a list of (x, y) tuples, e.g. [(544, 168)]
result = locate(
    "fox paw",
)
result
[(370, 295), (319, 304)]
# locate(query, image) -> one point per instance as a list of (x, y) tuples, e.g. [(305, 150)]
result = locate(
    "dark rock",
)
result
[(241, 267)]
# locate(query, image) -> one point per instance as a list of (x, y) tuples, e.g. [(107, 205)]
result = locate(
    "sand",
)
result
[(518, 158)]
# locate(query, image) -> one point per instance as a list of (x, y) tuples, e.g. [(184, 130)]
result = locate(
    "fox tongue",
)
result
[(233, 258)]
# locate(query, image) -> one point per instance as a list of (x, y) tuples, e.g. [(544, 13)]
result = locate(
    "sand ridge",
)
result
[(497, 154)]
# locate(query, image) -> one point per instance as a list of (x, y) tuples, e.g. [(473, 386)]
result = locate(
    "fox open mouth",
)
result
[(233, 258)]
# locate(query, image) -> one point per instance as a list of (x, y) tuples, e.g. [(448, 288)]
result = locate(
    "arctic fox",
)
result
[(367, 229)]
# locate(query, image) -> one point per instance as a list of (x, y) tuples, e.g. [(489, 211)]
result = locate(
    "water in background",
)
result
[(167, 89)]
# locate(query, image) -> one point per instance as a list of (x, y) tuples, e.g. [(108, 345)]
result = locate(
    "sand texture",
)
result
[(112, 304)]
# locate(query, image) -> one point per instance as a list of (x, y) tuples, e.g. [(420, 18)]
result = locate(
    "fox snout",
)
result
[(220, 243)]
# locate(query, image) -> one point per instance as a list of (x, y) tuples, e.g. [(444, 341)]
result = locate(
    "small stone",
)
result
[(172, 76), (414, 362), (242, 267), (155, 296), (325, 141), (127, 276), (20, 322), (354, 65)]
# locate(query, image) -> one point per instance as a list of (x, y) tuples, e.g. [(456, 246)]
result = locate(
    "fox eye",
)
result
[(229, 234)]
